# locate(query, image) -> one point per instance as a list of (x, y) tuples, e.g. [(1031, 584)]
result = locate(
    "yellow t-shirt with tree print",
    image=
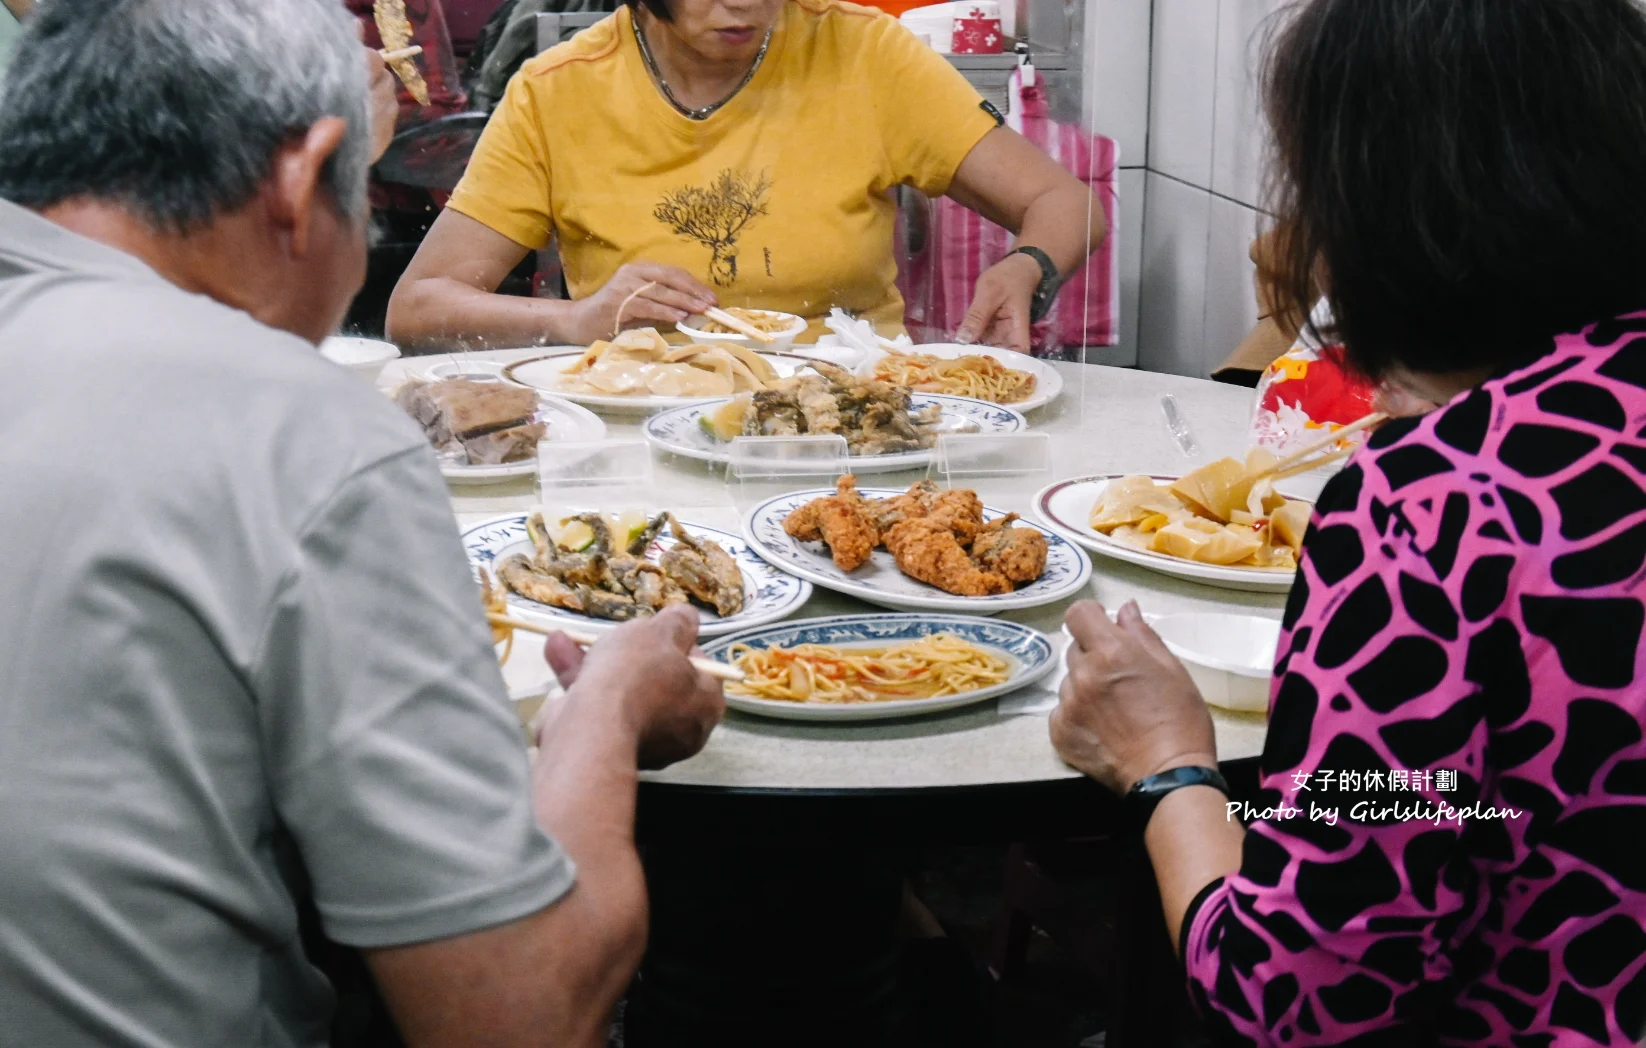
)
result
[(780, 200)]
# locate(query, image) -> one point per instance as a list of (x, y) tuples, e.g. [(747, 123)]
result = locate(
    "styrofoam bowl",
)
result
[(366, 357), (1230, 657), (780, 343)]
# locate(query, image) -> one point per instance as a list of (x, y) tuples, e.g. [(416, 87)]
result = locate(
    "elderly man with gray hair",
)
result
[(243, 665)]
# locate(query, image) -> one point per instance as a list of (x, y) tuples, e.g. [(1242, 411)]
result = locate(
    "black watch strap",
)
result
[(1147, 793), (1045, 293)]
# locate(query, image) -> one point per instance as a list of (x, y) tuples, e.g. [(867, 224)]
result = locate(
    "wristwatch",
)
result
[(1050, 280), (1148, 792)]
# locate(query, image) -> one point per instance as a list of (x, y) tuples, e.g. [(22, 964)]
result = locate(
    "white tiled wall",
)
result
[(1207, 150), (1117, 104), (1182, 89), (1174, 82)]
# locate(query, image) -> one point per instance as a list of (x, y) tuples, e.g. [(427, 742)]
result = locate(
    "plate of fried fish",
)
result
[(590, 569), (923, 549), (885, 427)]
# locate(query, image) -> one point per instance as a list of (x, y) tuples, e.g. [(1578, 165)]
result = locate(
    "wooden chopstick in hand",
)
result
[(1292, 464), (718, 670)]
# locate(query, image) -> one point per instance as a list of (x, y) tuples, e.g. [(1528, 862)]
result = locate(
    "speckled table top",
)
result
[(1108, 420)]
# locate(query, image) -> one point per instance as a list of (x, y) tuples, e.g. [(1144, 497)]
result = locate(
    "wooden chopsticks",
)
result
[(404, 52), (737, 324), (718, 670), (1300, 462)]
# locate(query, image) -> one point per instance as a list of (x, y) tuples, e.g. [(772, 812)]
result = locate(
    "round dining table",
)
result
[(982, 773)]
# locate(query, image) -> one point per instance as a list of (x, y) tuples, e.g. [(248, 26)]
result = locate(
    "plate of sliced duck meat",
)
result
[(590, 569), (485, 430)]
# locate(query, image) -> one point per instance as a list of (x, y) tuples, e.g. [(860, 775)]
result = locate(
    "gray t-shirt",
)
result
[(242, 663)]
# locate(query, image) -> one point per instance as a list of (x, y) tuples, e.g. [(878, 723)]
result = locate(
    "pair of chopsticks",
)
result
[(404, 52), (737, 324), (718, 670), (1300, 461)]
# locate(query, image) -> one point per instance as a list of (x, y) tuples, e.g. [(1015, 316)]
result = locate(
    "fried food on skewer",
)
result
[(958, 508), (1017, 553), (704, 570), (844, 521), (928, 550), (395, 29)]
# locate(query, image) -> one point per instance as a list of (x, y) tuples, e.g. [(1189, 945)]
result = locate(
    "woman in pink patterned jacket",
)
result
[(1460, 673)]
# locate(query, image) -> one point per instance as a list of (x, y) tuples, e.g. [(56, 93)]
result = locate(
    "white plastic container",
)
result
[(1230, 657)]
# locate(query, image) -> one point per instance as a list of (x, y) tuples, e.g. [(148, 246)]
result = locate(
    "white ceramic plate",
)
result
[(880, 582), (566, 421), (1048, 382), (680, 431), (546, 372), (1066, 507), (1030, 655), (768, 594)]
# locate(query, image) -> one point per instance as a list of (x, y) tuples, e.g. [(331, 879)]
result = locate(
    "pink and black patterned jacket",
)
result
[(1468, 616)]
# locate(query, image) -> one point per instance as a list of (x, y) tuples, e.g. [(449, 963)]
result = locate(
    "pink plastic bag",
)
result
[(938, 281)]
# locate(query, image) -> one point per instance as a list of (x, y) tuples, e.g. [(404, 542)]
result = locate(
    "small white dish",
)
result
[(691, 327), (458, 367), (680, 431), (1048, 381), (1030, 655), (1230, 657), (365, 357), (881, 582)]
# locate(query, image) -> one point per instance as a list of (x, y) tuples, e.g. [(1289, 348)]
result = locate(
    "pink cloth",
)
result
[(937, 282)]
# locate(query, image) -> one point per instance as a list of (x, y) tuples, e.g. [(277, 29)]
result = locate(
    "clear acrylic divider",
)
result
[(760, 468), (1005, 469), (611, 476)]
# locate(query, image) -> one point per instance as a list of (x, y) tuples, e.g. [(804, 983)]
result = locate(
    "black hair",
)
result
[(660, 8), (1466, 178)]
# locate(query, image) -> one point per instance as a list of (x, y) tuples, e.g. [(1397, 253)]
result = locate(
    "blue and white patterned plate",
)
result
[(1030, 654), (880, 582), (768, 594), (681, 432)]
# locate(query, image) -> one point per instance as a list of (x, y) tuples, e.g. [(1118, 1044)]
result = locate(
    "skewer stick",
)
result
[(1286, 464), (403, 53), (737, 324), (718, 670)]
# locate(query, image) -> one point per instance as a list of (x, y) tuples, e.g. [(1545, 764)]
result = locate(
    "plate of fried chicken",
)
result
[(609, 578), (920, 549)]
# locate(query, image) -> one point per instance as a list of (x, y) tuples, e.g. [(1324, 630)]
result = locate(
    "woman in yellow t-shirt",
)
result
[(732, 152)]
